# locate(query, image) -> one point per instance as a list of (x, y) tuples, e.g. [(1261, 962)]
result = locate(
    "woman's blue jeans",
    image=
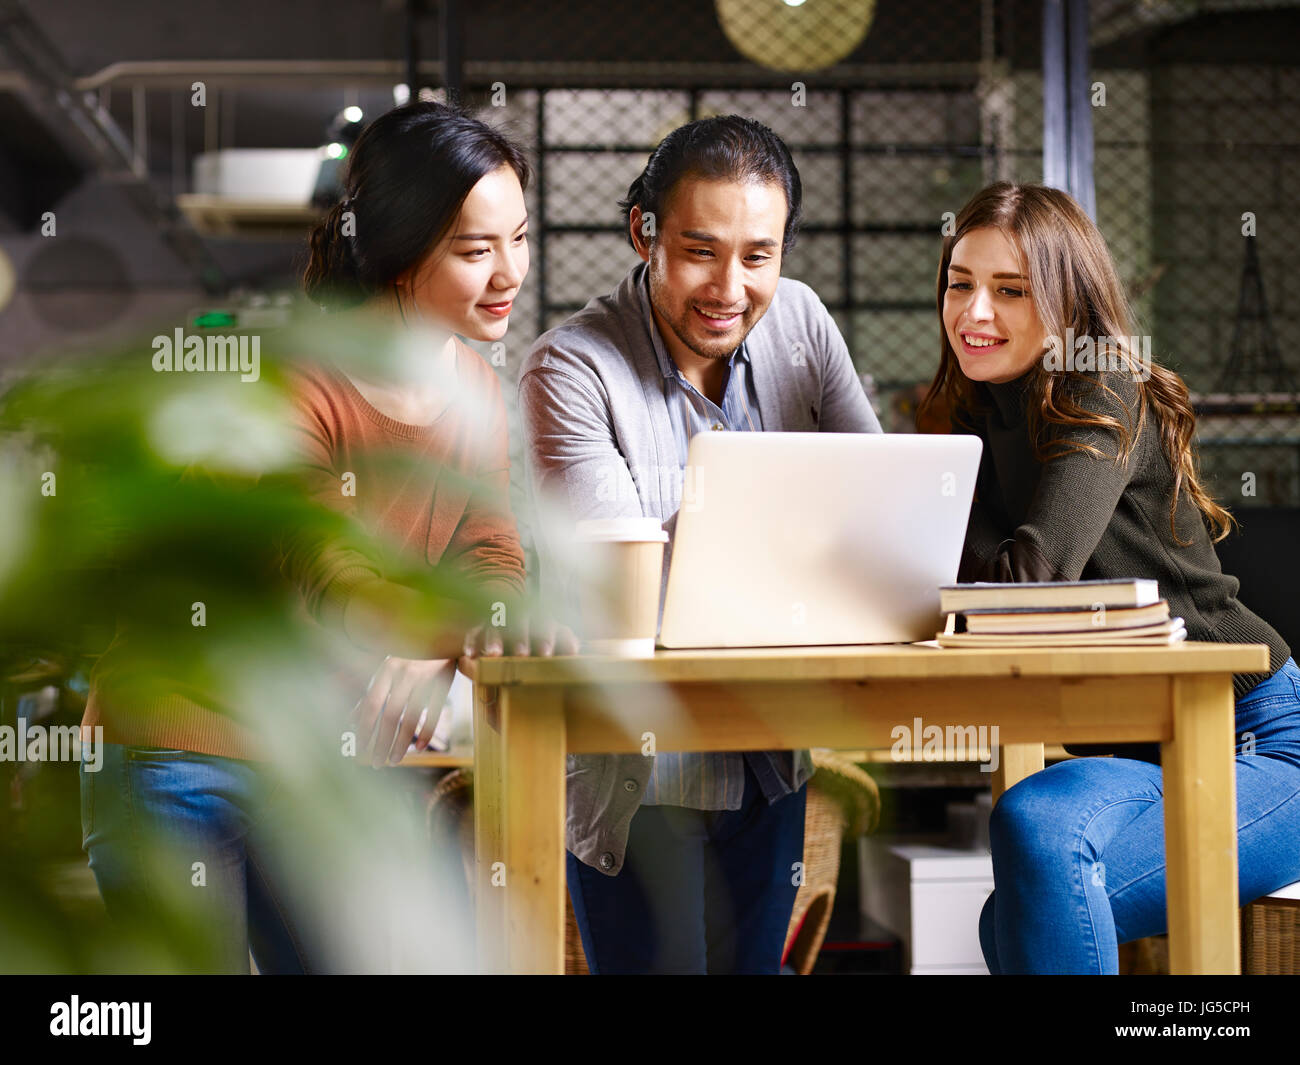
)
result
[(1079, 848), (181, 849)]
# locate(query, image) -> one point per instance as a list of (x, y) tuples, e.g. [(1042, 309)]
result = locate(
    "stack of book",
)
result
[(1057, 614)]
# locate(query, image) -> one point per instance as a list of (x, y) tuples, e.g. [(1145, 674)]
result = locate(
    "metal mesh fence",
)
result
[(1187, 151), (1197, 166), (882, 154), (879, 168), (897, 113)]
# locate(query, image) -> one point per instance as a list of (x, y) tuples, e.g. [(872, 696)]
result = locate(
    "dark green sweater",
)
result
[(1078, 517)]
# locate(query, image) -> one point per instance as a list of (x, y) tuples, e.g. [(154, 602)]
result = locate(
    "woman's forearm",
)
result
[(389, 618)]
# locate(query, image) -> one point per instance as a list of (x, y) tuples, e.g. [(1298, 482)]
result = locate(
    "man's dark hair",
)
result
[(725, 148)]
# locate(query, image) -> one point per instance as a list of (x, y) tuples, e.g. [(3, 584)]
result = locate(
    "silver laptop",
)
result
[(798, 539)]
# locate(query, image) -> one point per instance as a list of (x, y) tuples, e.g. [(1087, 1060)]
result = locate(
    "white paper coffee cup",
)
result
[(622, 563)]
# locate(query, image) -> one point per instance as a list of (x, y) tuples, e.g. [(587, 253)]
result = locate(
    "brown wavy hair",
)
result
[(1075, 286)]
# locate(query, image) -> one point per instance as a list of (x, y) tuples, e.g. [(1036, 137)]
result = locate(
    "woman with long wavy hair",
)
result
[(1089, 472)]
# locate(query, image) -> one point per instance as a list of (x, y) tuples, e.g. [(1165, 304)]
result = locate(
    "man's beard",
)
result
[(721, 349)]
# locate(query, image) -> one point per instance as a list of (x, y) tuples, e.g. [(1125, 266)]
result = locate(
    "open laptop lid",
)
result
[(788, 539)]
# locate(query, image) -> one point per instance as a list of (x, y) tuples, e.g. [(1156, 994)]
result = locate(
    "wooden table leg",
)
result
[(489, 868), (1200, 828), (1015, 762), (532, 842)]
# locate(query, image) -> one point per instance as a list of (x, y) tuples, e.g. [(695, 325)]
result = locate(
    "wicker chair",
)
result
[(1270, 934), (842, 799)]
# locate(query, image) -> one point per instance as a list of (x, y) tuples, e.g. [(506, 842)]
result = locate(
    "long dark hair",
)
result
[(1075, 287), (407, 177), (723, 148)]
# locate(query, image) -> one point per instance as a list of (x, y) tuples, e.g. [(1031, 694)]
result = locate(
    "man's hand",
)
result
[(402, 704)]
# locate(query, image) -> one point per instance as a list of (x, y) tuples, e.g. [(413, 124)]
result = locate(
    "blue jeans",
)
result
[(700, 890), (1078, 849), (149, 817)]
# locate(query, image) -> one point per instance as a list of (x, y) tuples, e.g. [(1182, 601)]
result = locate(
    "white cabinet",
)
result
[(930, 897)]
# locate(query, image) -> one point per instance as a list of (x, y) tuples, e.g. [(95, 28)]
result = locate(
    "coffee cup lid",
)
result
[(635, 530)]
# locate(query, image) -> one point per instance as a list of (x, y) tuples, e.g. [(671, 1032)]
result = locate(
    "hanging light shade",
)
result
[(795, 34)]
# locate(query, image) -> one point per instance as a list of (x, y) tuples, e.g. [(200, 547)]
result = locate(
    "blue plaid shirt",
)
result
[(715, 780)]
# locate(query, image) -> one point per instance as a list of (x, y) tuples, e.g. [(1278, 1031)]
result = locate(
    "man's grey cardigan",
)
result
[(598, 443)]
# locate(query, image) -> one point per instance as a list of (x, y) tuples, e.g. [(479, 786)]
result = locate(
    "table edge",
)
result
[(891, 662)]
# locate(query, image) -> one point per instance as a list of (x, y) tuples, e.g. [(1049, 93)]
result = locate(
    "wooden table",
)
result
[(530, 712)]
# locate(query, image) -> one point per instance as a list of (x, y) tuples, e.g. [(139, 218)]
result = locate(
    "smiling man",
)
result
[(686, 862)]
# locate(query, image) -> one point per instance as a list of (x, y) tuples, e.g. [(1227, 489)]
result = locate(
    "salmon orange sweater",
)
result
[(439, 492)]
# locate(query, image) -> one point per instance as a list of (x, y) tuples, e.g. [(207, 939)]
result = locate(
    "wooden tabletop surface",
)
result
[(892, 661)]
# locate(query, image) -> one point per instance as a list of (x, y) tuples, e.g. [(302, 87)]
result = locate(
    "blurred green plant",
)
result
[(126, 497)]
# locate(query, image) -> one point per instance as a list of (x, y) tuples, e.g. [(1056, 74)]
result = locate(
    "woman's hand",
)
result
[(538, 635), (402, 704)]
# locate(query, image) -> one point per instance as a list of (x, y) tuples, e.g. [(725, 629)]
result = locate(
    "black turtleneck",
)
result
[(1079, 517)]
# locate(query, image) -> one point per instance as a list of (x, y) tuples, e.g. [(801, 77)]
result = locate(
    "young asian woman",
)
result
[(429, 244)]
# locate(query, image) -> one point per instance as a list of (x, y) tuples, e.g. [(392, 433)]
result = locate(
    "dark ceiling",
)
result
[(38, 152), (86, 37), (92, 33)]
